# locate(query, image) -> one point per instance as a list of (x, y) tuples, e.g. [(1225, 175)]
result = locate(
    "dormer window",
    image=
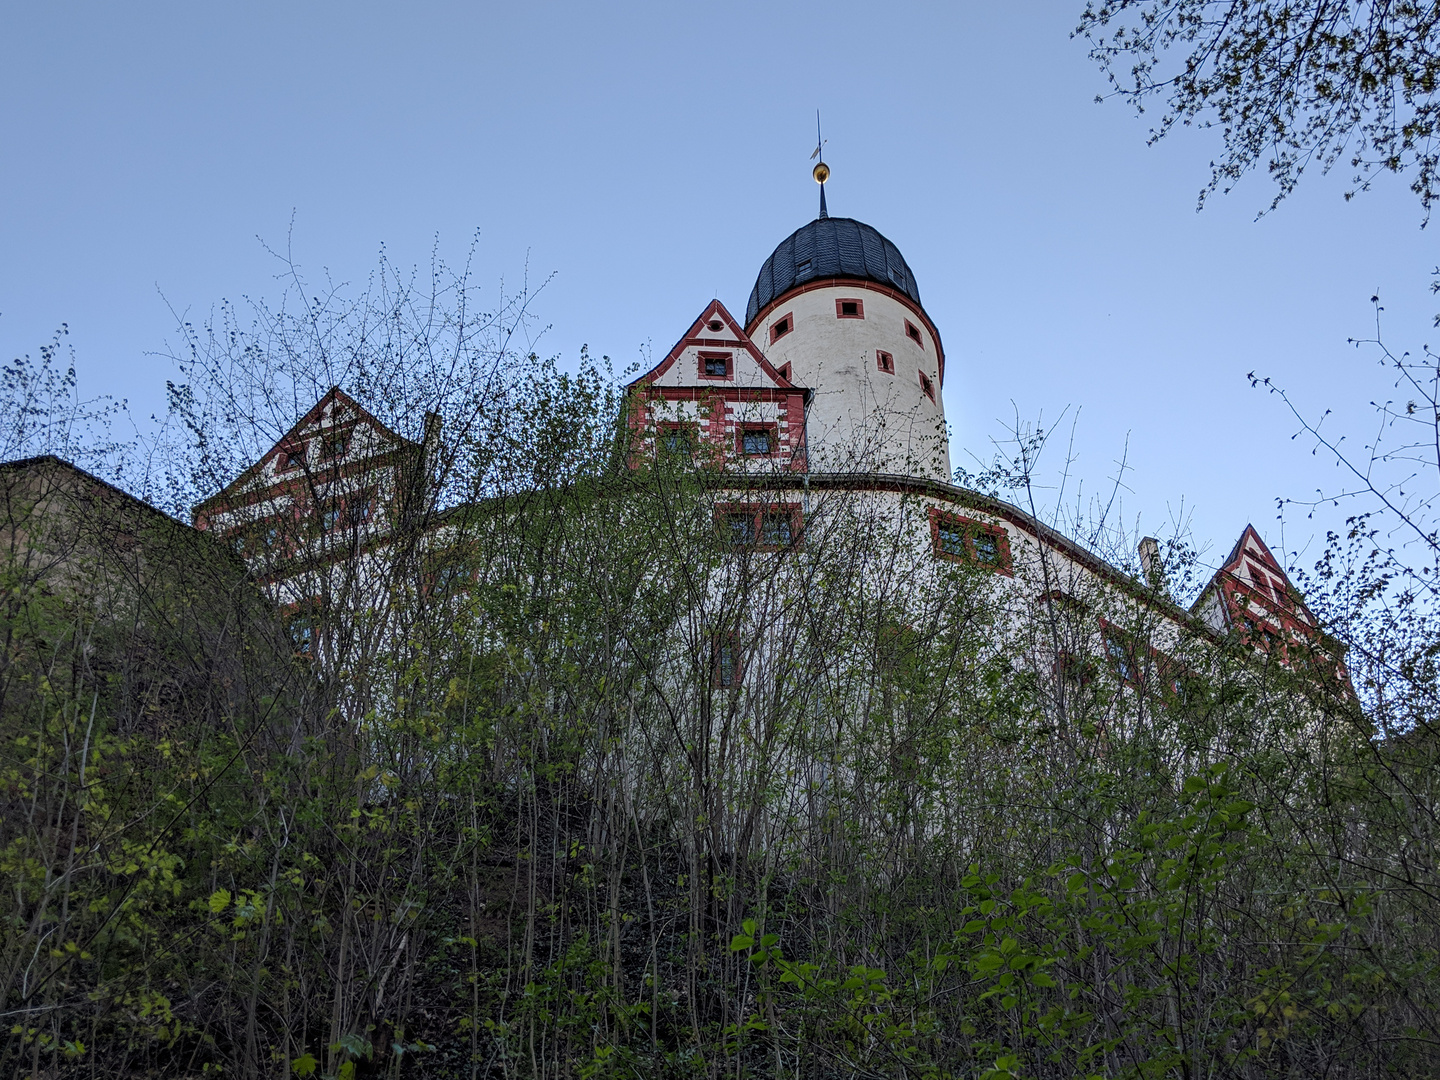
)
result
[(913, 333), (802, 267), (897, 276), (781, 327), (850, 309), (717, 365)]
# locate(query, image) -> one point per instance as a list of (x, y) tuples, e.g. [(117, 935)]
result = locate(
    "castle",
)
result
[(830, 385)]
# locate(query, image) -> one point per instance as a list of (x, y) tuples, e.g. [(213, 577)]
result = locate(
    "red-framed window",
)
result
[(784, 371), (361, 506), (913, 333), (716, 326), (1123, 655), (291, 458), (781, 326), (966, 540), (885, 361), (926, 386), (677, 437), (727, 662), (757, 440), (335, 445), (759, 526), (717, 365), (850, 308)]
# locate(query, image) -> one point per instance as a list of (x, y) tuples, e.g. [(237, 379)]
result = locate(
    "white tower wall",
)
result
[(862, 417)]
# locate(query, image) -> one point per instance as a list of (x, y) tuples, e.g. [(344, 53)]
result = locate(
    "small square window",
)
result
[(784, 371), (677, 439), (336, 446), (884, 361), (715, 365), (850, 309), (897, 276), (756, 441), (292, 459), (926, 386), (330, 519), (802, 267), (781, 327), (951, 538), (740, 528), (913, 333), (987, 548), (777, 530)]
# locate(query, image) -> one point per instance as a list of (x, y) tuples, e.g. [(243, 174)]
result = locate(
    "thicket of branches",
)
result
[(577, 789)]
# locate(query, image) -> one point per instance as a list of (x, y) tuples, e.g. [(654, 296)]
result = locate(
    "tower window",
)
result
[(781, 327), (849, 309), (716, 365), (926, 386), (898, 276), (802, 267), (784, 371), (716, 326), (913, 333), (884, 361)]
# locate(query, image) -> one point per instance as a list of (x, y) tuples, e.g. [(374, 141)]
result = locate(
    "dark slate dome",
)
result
[(830, 248)]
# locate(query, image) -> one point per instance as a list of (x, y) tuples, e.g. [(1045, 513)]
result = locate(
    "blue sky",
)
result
[(650, 156)]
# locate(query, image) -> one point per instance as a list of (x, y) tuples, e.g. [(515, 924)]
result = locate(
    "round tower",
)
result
[(838, 304)]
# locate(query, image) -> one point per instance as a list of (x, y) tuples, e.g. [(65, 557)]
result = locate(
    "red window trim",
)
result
[(691, 428), (291, 458), (774, 430), (718, 643), (728, 357), (784, 371), (914, 334), (859, 307), (788, 319), (969, 528), (758, 513), (885, 361), (927, 387)]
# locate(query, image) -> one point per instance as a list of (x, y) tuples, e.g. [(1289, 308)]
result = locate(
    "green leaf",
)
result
[(219, 900), (304, 1065)]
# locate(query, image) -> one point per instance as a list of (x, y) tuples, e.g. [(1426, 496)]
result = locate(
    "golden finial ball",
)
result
[(822, 172)]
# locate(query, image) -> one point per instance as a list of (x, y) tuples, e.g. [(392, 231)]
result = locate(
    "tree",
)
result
[(1290, 83)]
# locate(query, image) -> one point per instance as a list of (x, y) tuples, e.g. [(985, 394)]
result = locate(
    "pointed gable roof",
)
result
[(715, 329), (1252, 564), (333, 409)]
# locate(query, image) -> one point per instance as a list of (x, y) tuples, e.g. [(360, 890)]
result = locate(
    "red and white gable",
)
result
[(717, 391), (1251, 592), (338, 462)]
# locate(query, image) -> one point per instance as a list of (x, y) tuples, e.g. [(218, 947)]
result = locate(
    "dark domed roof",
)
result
[(830, 248)]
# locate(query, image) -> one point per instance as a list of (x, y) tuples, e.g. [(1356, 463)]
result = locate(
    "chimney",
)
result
[(1150, 567)]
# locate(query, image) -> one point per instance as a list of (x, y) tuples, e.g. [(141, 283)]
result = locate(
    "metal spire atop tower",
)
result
[(822, 171)]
